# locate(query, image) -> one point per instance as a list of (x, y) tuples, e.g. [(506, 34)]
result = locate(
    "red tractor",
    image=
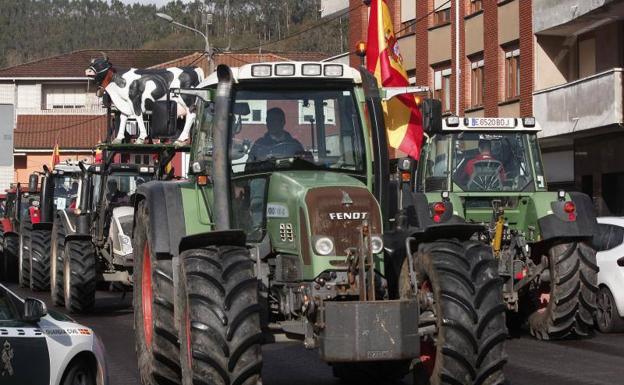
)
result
[(15, 227)]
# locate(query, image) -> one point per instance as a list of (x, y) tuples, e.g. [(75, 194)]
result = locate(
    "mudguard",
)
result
[(213, 238), (166, 214), (557, 225)]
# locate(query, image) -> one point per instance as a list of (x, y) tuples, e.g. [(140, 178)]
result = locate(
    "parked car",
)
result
[(38, 346), (610, 258)]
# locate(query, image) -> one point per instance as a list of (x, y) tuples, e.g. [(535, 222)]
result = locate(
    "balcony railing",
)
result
[(594, 101)]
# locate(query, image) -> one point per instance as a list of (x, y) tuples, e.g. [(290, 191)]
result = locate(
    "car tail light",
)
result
[(438, 210)]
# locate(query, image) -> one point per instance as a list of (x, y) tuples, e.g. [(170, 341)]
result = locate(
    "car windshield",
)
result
[(65, 190), (480, 162), (304, 130)]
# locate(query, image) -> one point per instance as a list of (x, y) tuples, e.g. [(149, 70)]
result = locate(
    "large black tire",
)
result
[(24, 251), (40, 254), (57, 259), (219, 317), (608, 317), (79, 276), (81, 371), (11, 256), (156, 338), (572, 293), (465, 294)]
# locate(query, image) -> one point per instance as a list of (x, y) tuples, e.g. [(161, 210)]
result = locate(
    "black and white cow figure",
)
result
[(130, 89)]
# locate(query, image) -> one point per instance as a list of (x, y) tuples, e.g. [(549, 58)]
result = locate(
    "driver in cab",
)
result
[(485, 153), (276, 139)]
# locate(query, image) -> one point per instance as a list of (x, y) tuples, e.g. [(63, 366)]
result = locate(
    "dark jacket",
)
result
[(263, 146)]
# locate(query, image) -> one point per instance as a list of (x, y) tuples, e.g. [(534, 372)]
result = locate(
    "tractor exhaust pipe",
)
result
[(221, 152), (46, 202)]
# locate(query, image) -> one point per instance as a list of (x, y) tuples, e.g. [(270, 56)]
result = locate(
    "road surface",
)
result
[(597, 361)]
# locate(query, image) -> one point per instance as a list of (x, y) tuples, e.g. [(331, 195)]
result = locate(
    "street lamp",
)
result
[(207, 48)]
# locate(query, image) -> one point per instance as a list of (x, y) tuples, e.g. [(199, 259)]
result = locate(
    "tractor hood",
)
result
[(304, 206)]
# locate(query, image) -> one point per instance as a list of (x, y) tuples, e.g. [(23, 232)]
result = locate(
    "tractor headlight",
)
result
[(376, 244), (324, 245)]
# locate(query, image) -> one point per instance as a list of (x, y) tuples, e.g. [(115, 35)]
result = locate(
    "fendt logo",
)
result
[(347, 216)]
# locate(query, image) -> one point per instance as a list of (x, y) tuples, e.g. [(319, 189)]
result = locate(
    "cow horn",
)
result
[(104, 55)]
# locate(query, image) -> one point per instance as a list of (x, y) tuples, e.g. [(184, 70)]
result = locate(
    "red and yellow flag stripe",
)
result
[(402, 116)]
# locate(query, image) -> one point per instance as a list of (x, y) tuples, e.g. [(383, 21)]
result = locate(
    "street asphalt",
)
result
[(595, 361)]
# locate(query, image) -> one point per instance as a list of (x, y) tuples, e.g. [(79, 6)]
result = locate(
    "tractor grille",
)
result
[(338, 212)]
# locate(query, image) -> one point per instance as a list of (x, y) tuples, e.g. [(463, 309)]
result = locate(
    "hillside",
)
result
[(31, 29)]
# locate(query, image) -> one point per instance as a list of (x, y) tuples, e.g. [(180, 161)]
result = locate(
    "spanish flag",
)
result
[(383, 59), (56, 155)]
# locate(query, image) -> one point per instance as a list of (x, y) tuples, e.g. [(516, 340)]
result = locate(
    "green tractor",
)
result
[(292, 226), (492, 172)]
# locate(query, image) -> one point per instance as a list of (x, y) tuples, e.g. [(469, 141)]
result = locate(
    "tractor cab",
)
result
[(483, 155), (66, 182)]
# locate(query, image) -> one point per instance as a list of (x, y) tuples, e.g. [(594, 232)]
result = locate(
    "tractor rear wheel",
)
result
[(79, 275), (40, 251), (157, 344), (11, 255), (461, 292), (219, 317), (57, 243), (24, 251), (566, 305)]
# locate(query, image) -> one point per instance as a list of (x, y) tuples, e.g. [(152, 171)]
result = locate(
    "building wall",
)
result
[(485, 34), (33, 162)]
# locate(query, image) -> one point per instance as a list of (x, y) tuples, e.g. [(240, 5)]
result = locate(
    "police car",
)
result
[(41, 347)]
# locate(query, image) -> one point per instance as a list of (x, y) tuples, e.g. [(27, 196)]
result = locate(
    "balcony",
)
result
[(568, 17), (594, 101)]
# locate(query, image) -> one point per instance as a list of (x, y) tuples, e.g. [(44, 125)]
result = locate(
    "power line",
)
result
[(318, 25)]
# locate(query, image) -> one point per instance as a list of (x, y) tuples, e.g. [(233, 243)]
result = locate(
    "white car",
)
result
[(41, 347), (610, 258)]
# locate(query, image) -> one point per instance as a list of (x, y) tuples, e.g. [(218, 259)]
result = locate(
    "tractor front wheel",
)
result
[(219, 317), (40, 242), (79, 276), (11, 255), (24, 252), (461, 293), (566, 304), (157, 344)]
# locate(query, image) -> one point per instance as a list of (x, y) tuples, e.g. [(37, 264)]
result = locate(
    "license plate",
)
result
[(491, 122)]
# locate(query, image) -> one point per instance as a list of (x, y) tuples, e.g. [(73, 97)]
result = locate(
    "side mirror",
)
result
[(33, 183), (34, 310), (432, 116)]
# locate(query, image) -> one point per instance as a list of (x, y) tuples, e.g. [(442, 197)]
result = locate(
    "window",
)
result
[(476, 5), (477, 82), (512, 74), (442, 87), (64, 97), (442, 12)]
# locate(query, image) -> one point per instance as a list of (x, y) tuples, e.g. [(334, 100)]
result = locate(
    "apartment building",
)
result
[(486, 44), (578, 96), (560, 61), (50, 101)]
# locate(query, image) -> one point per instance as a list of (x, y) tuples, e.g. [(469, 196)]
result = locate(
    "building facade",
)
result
[(578, 98), (487, 45), (560, 61)]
